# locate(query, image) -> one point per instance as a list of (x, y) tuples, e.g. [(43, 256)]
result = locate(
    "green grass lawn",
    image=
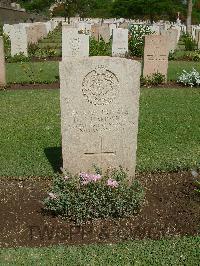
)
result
[(48, 72), (176, 68), (177, 252), (168, 140), (28, 72)]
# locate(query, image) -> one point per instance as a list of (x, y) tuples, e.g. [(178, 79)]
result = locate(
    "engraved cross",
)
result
[(102, 152)]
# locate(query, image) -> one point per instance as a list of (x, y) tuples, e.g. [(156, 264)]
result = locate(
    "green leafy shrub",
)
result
[(197, 186), (18, 58), (100, 48), (153, 80), (171, 56), (196, 56), (191, 78), (7, 46), (35, 51), (1, 29), (32, 48), (190, 44), (92, 196), (136, 39)]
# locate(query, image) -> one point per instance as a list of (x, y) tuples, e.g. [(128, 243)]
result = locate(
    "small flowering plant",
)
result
[(191, 78), (90, 196)]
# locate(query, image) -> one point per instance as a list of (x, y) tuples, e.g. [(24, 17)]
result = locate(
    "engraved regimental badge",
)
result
[(100, 86)]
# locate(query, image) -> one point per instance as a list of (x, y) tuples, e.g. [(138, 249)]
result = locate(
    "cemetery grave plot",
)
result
[(171, 208)]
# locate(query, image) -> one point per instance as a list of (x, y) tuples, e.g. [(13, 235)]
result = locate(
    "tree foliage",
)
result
[(148, 9), (144, 9)]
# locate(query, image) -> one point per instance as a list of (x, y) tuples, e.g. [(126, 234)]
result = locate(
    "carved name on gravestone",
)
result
[(99, 110), (19, 41), (120, 42), (2, 64), (155, 55), (73, 43)]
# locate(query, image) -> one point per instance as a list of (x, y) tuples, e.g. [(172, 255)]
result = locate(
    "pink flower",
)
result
[(87, 178), (112, 183), (52, 196), (95, 178)]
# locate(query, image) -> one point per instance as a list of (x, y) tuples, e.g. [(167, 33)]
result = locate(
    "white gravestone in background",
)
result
[(2, 64), (120, 42), (99, 110), (172, 37), (19, 41), (112, 27), (73, 43), (155, 55)]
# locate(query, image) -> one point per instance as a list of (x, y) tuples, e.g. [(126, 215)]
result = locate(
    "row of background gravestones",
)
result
[(23, 34), (76, 44)]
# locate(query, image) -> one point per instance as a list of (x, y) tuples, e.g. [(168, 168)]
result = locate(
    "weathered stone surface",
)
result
[(2, 64), (197, 31), (155, 55), (112, 27), (124, 25), (7, 29), (95, 31), (120, 42), (19, 42), (104, 32), (101, 31), (35, 32), (73, 43), (172, 37), (99, 109)]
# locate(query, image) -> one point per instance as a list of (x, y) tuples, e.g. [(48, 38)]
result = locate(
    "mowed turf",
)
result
[(32, 72), (48, 72), (176, 68), (30, 137), (184, 251)]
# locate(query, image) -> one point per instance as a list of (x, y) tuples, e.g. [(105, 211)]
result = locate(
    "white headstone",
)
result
[(73, 43), (19, 41), (112, 27), (155, 55), (172, 38), (99, 110), (120, 42)]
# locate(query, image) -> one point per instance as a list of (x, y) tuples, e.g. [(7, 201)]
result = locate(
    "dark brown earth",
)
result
[(171, 208), (56, 85), (29, 86)]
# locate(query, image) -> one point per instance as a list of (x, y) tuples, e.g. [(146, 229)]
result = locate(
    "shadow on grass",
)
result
[(54, 156)]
